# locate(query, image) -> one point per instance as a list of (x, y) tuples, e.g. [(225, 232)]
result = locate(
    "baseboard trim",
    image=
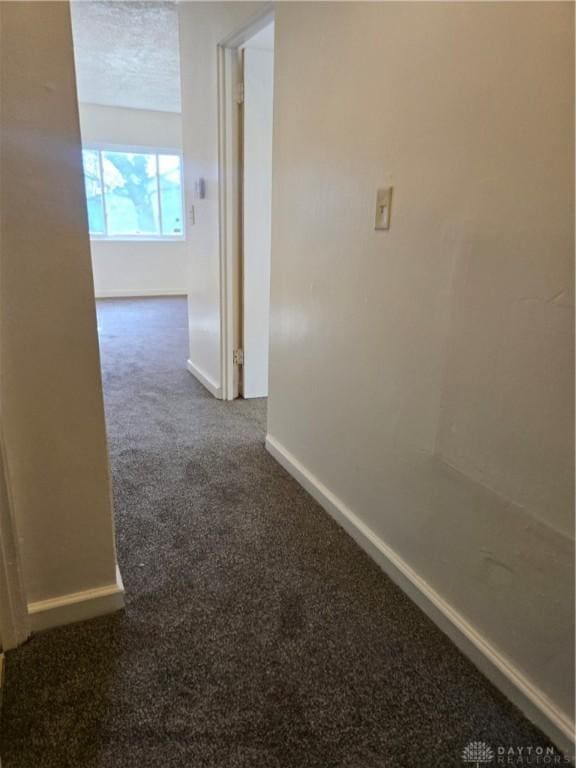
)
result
[(128, 293), (204, 379), (77, 606), (497, 668)]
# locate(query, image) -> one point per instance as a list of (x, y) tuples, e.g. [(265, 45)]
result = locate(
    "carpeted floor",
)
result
[(256, 633)]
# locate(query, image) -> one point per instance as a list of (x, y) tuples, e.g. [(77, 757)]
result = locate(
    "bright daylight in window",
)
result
[(133, 194)]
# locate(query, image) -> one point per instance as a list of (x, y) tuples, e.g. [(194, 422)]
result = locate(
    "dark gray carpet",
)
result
[(256, 633)]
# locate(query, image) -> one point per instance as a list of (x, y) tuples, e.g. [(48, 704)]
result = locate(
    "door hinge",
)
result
[(238, 357), (239, 93)]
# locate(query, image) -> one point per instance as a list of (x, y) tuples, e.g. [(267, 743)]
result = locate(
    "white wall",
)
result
[(124, 268), (50, 387), (424, 375), (202, 26)]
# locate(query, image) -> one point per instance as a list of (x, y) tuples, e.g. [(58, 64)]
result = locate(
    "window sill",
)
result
[(136, 239)]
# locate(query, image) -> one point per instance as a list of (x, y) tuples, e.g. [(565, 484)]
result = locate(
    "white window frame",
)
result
[(139, 150)]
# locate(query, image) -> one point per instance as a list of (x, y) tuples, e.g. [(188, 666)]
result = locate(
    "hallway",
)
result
[(256, 633)]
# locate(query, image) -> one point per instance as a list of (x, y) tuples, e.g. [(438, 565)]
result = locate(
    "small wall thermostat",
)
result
[(383, 205), (200, 189)]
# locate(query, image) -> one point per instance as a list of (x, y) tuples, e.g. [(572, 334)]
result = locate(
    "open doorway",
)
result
[(246, 96), (129, 98), (127, 62)]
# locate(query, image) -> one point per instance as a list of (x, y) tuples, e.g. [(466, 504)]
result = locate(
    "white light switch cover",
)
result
[(383, 205)]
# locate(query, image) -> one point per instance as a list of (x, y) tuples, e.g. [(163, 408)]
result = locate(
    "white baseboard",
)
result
[(503, 674), (128, 293), (77, 606), (204, 379)]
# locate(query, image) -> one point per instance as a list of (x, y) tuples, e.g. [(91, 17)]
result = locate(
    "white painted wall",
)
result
[(50, 387), (424, 375), (257, 212), (135, 268), (202, 26)]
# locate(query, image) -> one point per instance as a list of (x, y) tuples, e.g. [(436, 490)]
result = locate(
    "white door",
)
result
[(257, 190)]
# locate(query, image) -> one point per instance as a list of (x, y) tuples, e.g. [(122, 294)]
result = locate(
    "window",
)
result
[(133, 194)]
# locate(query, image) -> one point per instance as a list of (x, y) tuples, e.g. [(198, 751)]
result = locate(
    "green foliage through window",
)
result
[(133, 194)]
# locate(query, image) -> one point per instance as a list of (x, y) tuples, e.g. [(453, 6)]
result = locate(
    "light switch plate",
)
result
[(383, 205)]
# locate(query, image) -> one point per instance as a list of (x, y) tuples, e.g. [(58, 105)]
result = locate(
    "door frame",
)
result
[(14, 620), (229, 199)]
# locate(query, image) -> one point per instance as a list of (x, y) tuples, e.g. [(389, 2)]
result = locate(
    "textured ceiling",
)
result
[(127, 53)]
